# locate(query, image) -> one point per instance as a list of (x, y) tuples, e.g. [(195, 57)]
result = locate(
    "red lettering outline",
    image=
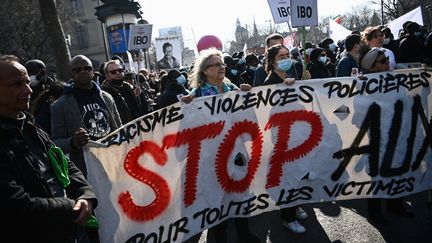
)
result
[(152, 179), (226, 148), (192, 137), (282, 154)]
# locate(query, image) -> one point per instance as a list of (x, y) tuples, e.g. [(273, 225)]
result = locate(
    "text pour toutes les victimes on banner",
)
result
[(177, 171)]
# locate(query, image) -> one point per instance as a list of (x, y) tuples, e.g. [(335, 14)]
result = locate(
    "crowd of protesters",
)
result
[(98, 100)]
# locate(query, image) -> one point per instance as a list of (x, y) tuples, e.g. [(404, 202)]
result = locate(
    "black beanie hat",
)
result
[(173, 74)]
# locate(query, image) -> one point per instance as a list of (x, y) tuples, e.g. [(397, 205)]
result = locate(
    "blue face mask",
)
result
[(284, 64), (181, 80), (253, 68), (234, 72), (418, 34), (332, 47)]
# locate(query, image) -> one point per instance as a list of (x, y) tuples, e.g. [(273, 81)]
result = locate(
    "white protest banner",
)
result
[(280, 10), (414, 15), (304, 13), (171, 174), (395, 25), (140, 36), (337, 32)]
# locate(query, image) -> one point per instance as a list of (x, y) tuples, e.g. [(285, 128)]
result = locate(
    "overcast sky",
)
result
[(218, 17)]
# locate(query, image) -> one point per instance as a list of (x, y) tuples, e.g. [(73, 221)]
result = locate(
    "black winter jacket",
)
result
[(29, 209)]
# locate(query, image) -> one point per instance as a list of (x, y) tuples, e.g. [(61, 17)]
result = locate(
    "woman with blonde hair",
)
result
[(208, 78), (373, 37)]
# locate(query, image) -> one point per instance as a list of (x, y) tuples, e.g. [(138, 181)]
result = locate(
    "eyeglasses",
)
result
[(120, 70), (218, 65), (382, 61), (79, 69)]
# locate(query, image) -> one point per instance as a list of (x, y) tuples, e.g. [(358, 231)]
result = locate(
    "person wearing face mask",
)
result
[(411, 48), (241, 63), (330, 48), (260, 73), (318, 67), (123, 92), (390, 43), (251, 66), (298, 63), (174, 90), (39, 79), (231, 70), (278, 63)]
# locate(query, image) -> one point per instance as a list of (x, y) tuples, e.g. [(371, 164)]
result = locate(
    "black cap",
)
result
[(174, 74), (230, 61), (315, 53)]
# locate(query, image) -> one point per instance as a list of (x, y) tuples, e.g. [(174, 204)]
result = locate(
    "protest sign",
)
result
[(171, 174), (304, 13), (140, 36), (280, 10)]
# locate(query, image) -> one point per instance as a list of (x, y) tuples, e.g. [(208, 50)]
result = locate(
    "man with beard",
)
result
[(122, 92)]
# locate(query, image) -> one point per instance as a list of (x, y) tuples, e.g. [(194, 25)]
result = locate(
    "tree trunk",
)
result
[(55, 32)]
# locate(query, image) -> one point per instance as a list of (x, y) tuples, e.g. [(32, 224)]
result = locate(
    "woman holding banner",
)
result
[(278, 64), (208, 78)]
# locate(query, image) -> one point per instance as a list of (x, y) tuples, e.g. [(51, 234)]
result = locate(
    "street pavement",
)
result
[(344, 221)]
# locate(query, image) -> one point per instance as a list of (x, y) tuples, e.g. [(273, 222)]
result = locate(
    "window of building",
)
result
[(82, 37), (77, 7)]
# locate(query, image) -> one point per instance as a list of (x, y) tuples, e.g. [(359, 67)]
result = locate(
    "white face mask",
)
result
[(386, 41), (33, 80), (253, 68), (323, 59)]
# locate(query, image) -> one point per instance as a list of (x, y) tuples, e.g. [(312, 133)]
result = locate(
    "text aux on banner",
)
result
[(304, 13), (280, 10), (168, 175), (140, 36)]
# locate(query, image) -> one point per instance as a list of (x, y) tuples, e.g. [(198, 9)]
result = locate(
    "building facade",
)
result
[(87, 35)]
